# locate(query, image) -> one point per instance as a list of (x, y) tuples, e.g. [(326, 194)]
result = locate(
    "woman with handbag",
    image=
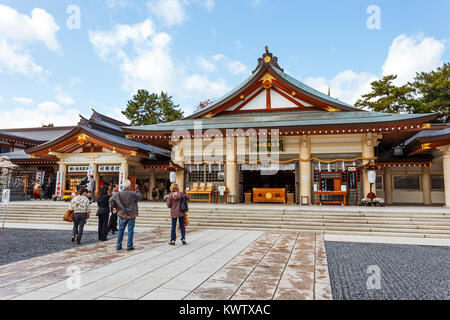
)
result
[(177, 202), (103, 213)]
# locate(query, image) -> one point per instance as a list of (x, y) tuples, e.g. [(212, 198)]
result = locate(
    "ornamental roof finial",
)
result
[(267, 49)]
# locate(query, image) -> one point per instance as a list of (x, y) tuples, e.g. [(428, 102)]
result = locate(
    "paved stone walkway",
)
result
[(216, 264)]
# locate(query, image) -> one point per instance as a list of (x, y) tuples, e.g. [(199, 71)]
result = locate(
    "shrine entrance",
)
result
[(269, 185)]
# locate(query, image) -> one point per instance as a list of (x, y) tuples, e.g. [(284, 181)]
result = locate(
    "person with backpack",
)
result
[(126, 203), (177, 202)]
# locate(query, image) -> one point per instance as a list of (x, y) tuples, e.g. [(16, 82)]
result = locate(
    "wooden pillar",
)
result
[(305, 169), (152, 182), (367, 146), (63, 169), (446, 167), (96, 177), (388, 185), (231, 170), (124, 167), (179, 160), (426, 185)]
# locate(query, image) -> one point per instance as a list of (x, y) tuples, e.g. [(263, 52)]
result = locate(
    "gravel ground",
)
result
[(20, 244), (407, 271)]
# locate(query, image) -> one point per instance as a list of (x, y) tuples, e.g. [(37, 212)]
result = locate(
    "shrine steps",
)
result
[(390, 221)]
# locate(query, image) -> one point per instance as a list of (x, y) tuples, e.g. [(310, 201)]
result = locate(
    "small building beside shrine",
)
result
[(275, 139), (97, 146)]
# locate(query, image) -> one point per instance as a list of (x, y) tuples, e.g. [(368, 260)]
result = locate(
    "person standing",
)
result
[(174, 203), (113, 216), (48, 187), (80, 205), (103, 213), (91, 188), (36, 190), (126, 202)]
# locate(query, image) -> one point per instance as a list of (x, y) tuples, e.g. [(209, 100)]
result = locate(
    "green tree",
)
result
[(428, 93), (50, 125), (386, 97), (146, 108), (433, 90)]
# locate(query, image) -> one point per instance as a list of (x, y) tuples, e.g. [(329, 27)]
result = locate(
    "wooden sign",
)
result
[(267, 145)]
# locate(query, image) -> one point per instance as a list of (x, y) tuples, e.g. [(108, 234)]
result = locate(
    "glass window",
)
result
[(379, 183), (407, 182), (196, 173), (437, 182)]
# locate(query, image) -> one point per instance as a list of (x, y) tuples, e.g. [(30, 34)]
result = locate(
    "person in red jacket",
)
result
[(174, 202)]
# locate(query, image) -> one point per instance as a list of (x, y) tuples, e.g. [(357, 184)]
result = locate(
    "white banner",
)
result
[(5, 196), (78, 169), (90, 170), (40, 177), (121, 179), (59, 187)]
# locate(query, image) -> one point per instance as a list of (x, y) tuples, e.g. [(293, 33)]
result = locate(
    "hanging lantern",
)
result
[(173, 176), (371, 176)]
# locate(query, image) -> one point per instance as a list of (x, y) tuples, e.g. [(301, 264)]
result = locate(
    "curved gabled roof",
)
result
[(99, 129)]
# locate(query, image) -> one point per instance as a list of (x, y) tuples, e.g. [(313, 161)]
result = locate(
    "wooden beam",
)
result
[(281, 93), (56, 147), (247, 101), (316, 103), (268, 106)]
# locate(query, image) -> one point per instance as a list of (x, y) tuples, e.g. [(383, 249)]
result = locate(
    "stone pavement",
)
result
[(216, 264)]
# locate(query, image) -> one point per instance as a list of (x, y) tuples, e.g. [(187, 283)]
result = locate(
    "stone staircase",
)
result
[(423, 222)]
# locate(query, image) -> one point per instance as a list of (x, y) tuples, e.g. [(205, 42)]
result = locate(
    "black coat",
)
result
[(103, 204)]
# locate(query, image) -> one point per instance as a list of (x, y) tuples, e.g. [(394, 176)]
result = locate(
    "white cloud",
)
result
[(408, 55), (237, 67), (171, 12), (205, 64), (119, 3), (63, 98), (116, 113), (143, 55), (24, 101), (17, 32), (209, 4), (256, 3), (46, 112), (14, 60), (347, 86)]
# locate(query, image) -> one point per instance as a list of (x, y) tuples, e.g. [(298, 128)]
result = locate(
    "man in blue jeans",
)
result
[(126, 203)]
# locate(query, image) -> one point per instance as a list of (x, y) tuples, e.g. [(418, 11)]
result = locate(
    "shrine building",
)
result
[(275, 139)]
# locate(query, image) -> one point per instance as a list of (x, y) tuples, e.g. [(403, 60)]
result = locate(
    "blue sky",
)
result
[(200, 49)]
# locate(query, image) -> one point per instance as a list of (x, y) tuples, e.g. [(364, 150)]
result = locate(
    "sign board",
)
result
[(267, 145), (121, 179), (109, 168), (58, 188), (80, 169), (5, 196), (40, 177)]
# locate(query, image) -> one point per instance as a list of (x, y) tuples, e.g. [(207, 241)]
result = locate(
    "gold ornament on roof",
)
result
[(267, 77), (267, 59)]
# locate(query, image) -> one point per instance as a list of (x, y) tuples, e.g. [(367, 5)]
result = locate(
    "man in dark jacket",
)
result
[(48, 187), (126, 203)]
